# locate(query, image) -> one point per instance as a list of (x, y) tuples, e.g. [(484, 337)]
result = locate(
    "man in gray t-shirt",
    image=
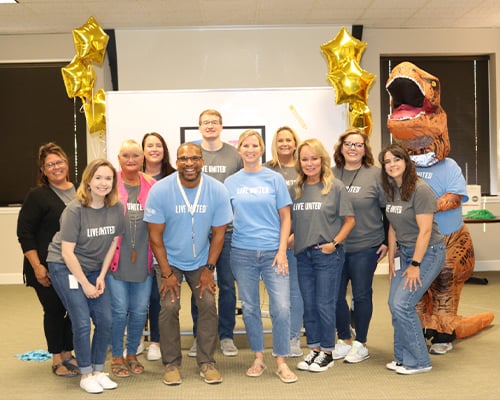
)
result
[(220, 161)]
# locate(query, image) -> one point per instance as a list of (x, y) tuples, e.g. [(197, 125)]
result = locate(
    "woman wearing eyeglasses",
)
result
[(365, 246), (38, 221)]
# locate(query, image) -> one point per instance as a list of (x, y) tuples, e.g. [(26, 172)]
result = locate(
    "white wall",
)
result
[(256, 58)]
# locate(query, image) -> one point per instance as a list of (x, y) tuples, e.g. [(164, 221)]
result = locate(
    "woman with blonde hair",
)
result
[(322, 217), (79, 258), (261, 227)]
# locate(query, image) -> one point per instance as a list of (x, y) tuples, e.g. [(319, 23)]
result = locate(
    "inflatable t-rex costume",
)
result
[(419, 123)]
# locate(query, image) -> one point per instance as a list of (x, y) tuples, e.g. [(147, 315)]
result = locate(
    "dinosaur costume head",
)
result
[(417, 120)]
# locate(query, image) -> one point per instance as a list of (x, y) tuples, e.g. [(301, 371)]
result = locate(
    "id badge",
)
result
[(73, 283)]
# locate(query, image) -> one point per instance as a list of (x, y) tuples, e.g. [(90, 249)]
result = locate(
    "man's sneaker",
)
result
[(295, 350), (341, 350), (172, 375), (210, 374), (411, 371), (440, 348), (193, 351), (322, 362), (106, 383), (154, 352), (307, 361), (228, 348), (358, 353), (90, 385), (393, 365)]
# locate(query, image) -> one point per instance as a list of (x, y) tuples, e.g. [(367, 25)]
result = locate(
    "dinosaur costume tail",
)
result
[(469, 326)]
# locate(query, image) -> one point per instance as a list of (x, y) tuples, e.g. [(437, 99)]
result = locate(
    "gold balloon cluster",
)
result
[(351, 82), (79, 76)]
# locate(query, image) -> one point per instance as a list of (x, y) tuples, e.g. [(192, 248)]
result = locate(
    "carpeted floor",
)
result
[(470, 370)]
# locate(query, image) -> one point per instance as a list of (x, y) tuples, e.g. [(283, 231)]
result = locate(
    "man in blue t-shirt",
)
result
[(182, 211)]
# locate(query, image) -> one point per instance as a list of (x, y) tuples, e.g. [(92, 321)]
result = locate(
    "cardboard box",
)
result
[(474, 202)]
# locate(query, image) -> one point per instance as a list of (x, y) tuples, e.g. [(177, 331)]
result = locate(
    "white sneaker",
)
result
[(295, 350), (154, 352), (440, 348), (358, 353), (90, 385), (193, 351), (228, 348), (103, 380), (341, 350), (393, 365), (411, 371)]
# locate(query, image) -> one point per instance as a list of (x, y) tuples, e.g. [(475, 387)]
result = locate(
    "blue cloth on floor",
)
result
[(36, 355)]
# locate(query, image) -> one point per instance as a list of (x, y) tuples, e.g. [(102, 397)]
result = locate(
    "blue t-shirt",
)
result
[(186, 238), (256, 198), (446, 177)]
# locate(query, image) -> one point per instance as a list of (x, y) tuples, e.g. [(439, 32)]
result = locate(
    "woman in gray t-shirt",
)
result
[(410, 209)]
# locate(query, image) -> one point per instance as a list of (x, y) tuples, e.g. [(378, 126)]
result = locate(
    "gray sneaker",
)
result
[(341, 350), (295, 350), (440, 348), (228, 348), (193, 351)]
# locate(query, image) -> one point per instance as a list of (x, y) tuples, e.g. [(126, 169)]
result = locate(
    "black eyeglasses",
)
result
[(51, 165), (358, 145), (192, 158)]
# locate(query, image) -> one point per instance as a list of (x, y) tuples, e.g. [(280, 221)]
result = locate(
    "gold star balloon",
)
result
[(351, 83), (90, 41), (95, 113), (79, 78), (360, 116), (342, 48)]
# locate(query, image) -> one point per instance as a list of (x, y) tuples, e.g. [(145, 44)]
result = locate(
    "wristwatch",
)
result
[(415, 263), (210, 267), (336, 244)]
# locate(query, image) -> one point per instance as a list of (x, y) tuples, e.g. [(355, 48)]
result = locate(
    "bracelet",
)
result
[(167, 276)]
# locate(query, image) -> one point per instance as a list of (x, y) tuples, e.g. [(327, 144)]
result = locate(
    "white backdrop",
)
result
[(312, 112)]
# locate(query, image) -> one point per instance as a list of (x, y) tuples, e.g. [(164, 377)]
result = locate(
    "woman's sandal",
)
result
[(285, 374), (69, 374), (71, 364), (134, 365), (257, 369), (119, 368)]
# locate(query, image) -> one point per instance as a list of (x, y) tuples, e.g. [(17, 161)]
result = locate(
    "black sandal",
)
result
[(70, 366), (71, 373)]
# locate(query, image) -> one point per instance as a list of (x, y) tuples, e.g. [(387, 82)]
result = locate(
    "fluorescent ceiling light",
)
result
[(8, 1)]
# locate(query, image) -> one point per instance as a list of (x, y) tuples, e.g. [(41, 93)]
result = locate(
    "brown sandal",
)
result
[(134, 365), (119, 368), (68, 374), (257, 369)]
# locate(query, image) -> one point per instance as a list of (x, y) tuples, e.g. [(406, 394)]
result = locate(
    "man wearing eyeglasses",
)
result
[(220, 161), (187, 213)]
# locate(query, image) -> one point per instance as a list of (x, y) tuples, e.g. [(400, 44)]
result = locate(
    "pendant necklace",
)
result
[(133, 255)]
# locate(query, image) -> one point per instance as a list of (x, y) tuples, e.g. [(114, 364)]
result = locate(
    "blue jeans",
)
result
[(91, 356), (227, 293), (296, 303), (154, 311), (319, 280), (359, 268), (249, 266), (129, 302), (410, 348)]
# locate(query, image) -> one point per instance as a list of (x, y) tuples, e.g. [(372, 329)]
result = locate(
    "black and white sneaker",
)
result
[(322, 362), (307, 361)]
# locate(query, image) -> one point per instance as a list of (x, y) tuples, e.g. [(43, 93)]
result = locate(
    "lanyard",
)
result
[(191, 207)]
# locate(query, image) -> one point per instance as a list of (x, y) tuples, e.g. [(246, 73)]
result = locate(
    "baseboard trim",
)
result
[(11, 279), (484, 265)]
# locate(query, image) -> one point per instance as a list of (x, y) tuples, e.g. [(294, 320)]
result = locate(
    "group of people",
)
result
[(117, 250)]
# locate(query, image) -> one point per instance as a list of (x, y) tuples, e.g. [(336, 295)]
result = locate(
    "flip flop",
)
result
[(69, 374), (285, 374), (257, 369)]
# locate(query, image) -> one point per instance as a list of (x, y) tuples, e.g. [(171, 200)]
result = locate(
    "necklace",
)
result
[(353, 178), (133, 209)]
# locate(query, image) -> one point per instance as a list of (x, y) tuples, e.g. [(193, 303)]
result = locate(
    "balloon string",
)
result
[(75, 140)]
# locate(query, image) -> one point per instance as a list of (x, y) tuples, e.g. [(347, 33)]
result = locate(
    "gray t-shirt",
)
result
[(136, 231), (367, 196), (91, 229), (289, 173), (316, 218), (402, 214), (219, 164)]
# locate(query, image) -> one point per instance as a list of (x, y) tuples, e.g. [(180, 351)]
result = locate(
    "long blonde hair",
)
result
[(83, 193), (326, 174), (274, 147)]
